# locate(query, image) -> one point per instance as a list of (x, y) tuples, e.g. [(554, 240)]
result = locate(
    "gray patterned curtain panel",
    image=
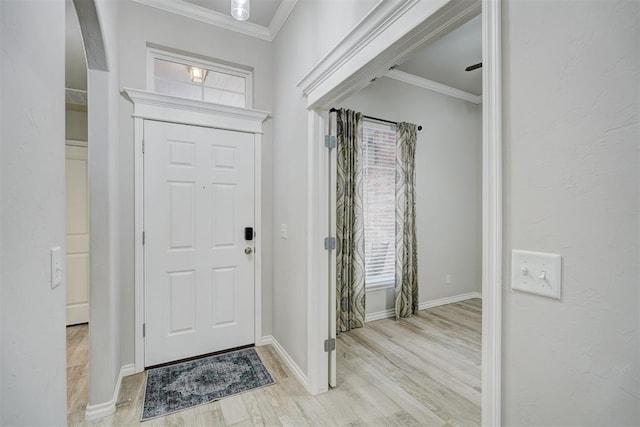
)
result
[(350, 222), (406, 245)]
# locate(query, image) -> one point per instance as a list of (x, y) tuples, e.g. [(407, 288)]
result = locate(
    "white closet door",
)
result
[(77, 235), (199, 269)]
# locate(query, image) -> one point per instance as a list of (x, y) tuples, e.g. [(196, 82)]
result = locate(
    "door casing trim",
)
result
[(157, 107)]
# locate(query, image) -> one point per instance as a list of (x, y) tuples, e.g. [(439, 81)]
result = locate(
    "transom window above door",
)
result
[(194, 78)]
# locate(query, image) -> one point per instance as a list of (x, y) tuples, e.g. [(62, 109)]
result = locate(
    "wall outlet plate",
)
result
[(536, 273)]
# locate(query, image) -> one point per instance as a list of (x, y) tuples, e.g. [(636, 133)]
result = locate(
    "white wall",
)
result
[(139, 25), (76, 123), (571, 135), (312, 29), (33, 360), (448, 186)]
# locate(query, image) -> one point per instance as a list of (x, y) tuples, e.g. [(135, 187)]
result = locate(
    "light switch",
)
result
[(284, 233), (56, 267), (537, 273)]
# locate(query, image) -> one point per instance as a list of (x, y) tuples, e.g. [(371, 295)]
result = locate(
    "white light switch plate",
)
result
[(56, 266), (537, 273)]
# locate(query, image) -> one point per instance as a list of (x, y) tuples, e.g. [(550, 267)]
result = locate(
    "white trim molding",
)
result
[(93, 412), (288, 360), (385, 314), (75, 96), (342, 72), (448, 300), (379, 315), (154, 106), (280, 17), (433, 86), (165, 108), (76, 143), (491, 213), (221, 20)]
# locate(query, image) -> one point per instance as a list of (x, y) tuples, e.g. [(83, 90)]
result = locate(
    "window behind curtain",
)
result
[(379, 145)]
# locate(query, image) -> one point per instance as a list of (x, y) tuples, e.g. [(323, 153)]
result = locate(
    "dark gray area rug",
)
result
[(197, 382)]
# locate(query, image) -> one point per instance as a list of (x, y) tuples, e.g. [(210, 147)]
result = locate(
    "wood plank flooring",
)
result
[(421, 371), (77, 370)]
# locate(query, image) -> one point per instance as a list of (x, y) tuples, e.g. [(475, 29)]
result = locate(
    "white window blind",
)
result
[(379, 145)]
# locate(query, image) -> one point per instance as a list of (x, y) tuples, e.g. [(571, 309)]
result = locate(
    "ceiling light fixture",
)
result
[(198, 75), (240, 9)]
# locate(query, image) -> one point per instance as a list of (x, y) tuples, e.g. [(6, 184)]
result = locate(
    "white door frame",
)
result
[(383, 38), (153, 106)]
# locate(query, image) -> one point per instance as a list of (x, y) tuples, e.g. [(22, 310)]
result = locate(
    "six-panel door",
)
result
[(76, 235), (199, 282)]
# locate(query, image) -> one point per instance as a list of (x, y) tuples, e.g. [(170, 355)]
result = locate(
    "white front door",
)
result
[(76, 235), (199, 268)]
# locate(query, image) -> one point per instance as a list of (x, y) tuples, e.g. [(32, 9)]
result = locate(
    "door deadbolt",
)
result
[(248, 250), (248, 233)]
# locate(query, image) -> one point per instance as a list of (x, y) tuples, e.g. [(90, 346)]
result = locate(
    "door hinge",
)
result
[(143, 237), (329, 345), (144, 330), (143, 146), (329, 243), (330, 141)]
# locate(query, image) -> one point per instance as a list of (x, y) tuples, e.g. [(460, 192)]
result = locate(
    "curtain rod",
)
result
[(333, 110)]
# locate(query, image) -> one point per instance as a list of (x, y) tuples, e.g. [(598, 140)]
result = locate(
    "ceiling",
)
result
[(444, 60), (75, 62), (261, 12)]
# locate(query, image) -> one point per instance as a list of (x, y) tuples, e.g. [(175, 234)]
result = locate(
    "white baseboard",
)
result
[(99, 410), (378, 315), (370, 317), (127, 370), (266, 340), (293, 366), (449, 300)]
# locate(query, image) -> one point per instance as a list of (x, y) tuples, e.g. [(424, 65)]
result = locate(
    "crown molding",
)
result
[(280, 17), (375, 22), (433, 86), (221, 20), (156, 106), (357, 57)]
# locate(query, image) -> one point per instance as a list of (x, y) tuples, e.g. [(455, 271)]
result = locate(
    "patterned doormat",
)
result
[(197, 382)]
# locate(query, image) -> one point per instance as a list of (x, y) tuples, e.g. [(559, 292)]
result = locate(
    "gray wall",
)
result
[(571, 134), (32, 358), (448, 186), (139, 25), (312, 29)]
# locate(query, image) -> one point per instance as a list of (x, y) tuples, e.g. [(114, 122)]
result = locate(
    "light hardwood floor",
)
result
[(421, 371), (77, 370)]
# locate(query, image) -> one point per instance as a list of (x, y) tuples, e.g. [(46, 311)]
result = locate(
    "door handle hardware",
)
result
[(248, 250)]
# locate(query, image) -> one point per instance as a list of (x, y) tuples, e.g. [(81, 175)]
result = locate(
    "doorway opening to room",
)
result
[(409, 213), (372, 68), (77, 219)]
